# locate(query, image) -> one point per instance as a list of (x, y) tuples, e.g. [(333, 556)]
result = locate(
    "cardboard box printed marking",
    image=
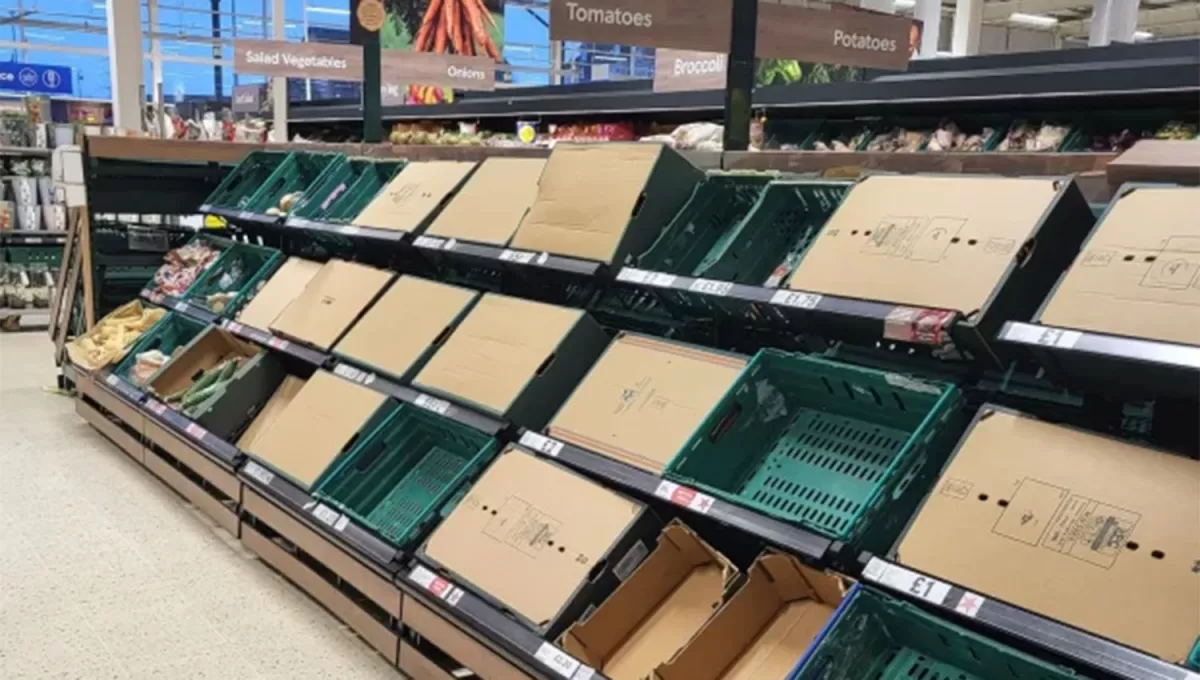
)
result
[(285, 285), (656, 610), (1139, 273), (330, 303), (399, 332), (544, 542), (1106, 534), (938, 242), (414, 195), (515, 358), (644, 398), (317, 424), (764, 628), (605, 202), (491, 205)]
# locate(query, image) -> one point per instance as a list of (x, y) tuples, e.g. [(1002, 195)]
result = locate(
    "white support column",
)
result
[(279, 85), (1122, 20), (1098, 25), (886, 6), (929, 12), (156, 65), (125, 63), (968, 24)]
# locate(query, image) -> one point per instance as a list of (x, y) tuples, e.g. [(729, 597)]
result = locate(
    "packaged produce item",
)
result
[(948, 137), (146, 365), (108, 340), (39, 285), (1027, 137), (1176, 130), (898, 139), (181, 267)]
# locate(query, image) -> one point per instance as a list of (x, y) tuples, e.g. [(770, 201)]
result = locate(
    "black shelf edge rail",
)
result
[(269, 340), (348, 230), (118, 387), (848, 318), (816, 549), (208, 444), (33, 237), (481, 616), (326, 521), (452, 247), (1071, 643), (1155, 367)]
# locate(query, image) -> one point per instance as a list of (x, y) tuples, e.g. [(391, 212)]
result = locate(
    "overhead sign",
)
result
[(39, 78), (681, 24), (676, 70), (298, 60), (249, 98), (784, 31), (444, 70)]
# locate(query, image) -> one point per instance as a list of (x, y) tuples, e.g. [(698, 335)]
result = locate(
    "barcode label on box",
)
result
[(518, 256), (438, 406), (633, 275), (557, 660), (258, 472), (791, 298), (429, 242), (326, 514), (541, 443), (711, 287), (195, 431), (899, 578), (684, 496), (440, 587), (353, 374)]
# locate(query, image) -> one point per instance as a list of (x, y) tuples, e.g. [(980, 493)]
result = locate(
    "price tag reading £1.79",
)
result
[(719, 288), (791, 298)]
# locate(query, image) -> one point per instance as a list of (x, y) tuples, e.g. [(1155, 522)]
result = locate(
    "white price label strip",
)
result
[(234, 327), (277, 343), (326, 514), (195, 431), (557, 660), (790, 298), (438, 406), (353, 374), (894, 576), (181, 306), (111, 380), (156, 407), (351, 231), (518, 256), (541, 443), (661, 280), (632, 275), (256, 471), (711, 287), (437, 585), (429, 242), (684, 496)]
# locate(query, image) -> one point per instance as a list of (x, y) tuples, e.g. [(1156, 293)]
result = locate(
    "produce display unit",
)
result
[(1096, 91), (404, 599), (30, 244)]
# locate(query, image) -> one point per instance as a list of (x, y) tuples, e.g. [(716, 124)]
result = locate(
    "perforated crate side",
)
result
[(171, 332), (239, 186)]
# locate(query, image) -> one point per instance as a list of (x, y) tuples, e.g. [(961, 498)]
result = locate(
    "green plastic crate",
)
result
[(396, 480), (345, 188), (875, 636), (718, 205), (297, 173), (844, 451), (775, 234), (171, 333), (234, 192), (50, 255), (239, 270)]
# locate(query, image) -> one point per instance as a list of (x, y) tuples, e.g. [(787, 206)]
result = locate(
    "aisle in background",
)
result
[(104, 573)]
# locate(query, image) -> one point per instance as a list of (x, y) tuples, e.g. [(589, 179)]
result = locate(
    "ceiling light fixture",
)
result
[(905, 4), (1139, 36), (1033, 20)]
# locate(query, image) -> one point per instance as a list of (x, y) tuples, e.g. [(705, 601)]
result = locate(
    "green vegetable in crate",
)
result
[(207, 384), (1176, 130)]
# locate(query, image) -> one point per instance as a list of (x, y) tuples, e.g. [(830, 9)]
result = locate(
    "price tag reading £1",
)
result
[(894, 576)]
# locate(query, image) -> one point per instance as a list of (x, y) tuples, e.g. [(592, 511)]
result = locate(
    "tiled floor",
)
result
[(104, 573)]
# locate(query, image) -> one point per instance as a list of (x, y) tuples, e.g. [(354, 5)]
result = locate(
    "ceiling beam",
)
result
[(1001, 10), (1153, 20)]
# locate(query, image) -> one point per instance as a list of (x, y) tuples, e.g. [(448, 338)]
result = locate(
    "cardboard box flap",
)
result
[(501, 344), (936, 242), (528, 533), (1107, 533), (760, 632), (644, 398), (1139, 273), (284, 285), (407, 321), (207, 350), (331, 302), (587, 196), (656, 610), (414, 195), (492, 203), (1156, 160), (287, 390), (316, 426)]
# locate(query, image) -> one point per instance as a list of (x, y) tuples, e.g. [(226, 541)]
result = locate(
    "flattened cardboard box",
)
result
[(1106, 533), (399, 332), (1156, 160), (529, 532), (284, 286), (414, 195), (330, 303), (315, 427), (644, 398), (604, 202), (205, 351), (935, 242), (656, 610), (1139, 273), (764, 628), (287, 390), (515, 358), (492, 203)]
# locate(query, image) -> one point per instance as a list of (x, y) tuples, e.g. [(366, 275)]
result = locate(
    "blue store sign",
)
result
[(39, 78)]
